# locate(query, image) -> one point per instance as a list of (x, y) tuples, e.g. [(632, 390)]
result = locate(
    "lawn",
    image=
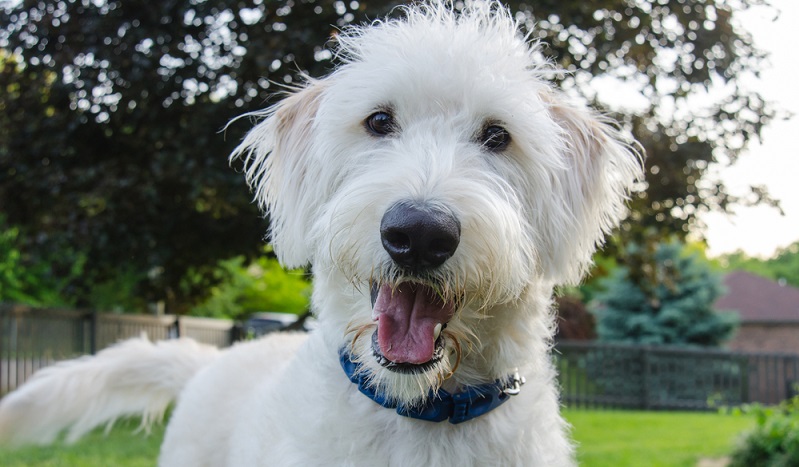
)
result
[(606, 438), (121, 448), (653, 439)]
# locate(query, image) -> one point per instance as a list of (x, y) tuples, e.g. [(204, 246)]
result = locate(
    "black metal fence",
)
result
[(591, 374), (667, 378), (34, 338)]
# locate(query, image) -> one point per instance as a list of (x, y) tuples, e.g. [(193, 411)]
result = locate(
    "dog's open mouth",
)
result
[(410, 317)]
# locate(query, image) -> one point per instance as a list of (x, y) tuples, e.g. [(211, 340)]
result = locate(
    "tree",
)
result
[(671, 52), (674, 53), (111, 135), (783, 266), (111, 111), (678, 310)]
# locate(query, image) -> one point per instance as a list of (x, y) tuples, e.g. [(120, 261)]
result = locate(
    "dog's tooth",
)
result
[(374, 289), (437, 330)]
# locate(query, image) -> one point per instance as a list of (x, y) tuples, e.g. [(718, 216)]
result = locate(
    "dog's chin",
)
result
[(406, 383)]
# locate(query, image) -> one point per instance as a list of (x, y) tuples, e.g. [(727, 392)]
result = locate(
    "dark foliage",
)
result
[(111, 115), (573, 320)]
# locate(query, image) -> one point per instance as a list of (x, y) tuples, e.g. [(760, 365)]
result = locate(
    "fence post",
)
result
[(4, 362), (237, 332), (645, 380), (93, 332), (745, 364)]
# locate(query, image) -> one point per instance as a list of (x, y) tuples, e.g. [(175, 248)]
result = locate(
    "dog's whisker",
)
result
[(358, 333), (457, 346)]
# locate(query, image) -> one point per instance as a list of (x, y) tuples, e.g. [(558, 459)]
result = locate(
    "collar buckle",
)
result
[(516, 383)]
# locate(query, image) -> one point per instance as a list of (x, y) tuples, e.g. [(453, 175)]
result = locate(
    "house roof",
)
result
[(759, 300)]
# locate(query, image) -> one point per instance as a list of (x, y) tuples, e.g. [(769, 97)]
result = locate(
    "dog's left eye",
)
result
[(380, 123), (495, 138)]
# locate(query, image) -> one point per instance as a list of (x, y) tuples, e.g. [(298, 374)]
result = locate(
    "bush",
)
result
[(49, 280), (233, 288), (261, 285), (574, 321), (24, 280), (775, 440), (119, 293)]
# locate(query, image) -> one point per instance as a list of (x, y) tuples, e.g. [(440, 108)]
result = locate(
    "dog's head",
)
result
[(431, 181)]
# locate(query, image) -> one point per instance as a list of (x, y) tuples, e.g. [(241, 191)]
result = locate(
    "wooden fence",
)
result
[(34, 338), (669, 378)]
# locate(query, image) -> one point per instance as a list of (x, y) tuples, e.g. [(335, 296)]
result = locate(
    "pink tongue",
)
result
[(406, 319)]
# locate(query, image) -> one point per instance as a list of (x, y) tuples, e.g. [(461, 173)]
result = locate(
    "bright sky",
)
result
[(774, 163)]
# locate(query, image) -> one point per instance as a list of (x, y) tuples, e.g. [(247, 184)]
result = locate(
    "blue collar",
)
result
[(458, 407)]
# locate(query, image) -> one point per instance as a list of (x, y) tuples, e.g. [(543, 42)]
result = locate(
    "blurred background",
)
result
[(116, 194)]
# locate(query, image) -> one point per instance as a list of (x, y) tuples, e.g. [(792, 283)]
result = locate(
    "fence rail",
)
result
[(32, 338), (667, 378)]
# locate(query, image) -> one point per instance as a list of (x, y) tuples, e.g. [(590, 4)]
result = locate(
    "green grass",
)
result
[(653, 439), (606, 438), (121, 448)]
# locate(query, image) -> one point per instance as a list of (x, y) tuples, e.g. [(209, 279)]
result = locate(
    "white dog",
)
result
[(440, 188)]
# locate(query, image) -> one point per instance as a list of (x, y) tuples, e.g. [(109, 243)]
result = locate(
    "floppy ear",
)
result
[(277, 164), (602, 166)]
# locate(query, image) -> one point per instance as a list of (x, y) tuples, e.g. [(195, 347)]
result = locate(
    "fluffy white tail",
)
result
[(134, 377)]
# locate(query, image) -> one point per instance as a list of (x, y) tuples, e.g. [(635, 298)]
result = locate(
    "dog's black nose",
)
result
[(418, 236)]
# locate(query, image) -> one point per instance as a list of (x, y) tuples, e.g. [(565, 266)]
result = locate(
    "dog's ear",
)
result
[(277, 163), (602, 167)]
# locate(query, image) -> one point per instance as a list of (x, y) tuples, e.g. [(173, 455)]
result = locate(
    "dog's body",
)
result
[(303, 411), (440, 189)]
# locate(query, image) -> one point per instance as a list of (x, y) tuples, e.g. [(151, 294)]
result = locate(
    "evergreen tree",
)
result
[(675, 309)]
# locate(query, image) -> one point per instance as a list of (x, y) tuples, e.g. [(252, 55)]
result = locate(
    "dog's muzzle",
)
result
[(411, 314)]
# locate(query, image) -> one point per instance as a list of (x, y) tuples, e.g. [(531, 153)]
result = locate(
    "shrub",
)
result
[(774, 442), (574, 321), (24, 280), (245, 287)]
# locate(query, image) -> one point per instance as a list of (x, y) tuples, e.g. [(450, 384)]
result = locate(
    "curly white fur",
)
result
[(530, 217)]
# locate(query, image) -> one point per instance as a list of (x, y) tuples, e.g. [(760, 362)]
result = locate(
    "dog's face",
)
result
[(433, 178)]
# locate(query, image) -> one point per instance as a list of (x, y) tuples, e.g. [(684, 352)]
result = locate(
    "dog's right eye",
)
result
[(495, 138), (380, 123)]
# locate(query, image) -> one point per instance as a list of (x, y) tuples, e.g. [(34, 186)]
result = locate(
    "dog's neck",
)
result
[(508, 342), (467, 404), (510, 336)]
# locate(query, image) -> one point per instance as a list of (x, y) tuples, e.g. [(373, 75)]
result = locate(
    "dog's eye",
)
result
[(380, 123), (495, 138)]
